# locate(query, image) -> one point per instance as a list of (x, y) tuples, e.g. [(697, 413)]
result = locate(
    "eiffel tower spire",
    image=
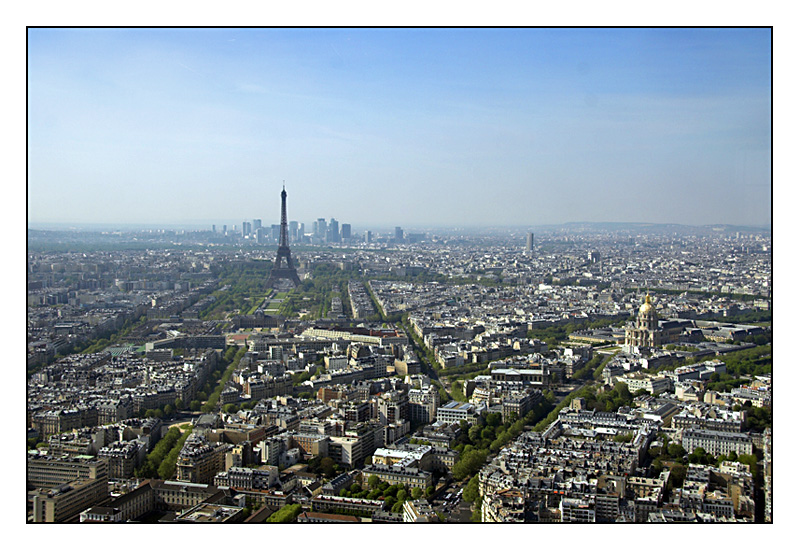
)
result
[(283, 267), (284, 231)]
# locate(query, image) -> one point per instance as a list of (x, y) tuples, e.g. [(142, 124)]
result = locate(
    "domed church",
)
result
[(644, 333)]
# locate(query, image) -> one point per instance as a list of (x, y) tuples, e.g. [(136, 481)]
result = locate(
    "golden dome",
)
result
[(647, 307)]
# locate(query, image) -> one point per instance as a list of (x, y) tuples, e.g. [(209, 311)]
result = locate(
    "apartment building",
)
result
[(716, 442), (199, 461), (65, 502)]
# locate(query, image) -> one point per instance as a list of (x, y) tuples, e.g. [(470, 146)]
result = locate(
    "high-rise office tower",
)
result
[(246, 229), (322, 228), (529, 243), (333, 231), (256, 223), (345, 231), (368, 236), (398, 233), (293, 229), (283, 267), (213, 228)]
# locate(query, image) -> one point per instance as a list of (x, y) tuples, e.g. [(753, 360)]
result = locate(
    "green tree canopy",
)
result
[(701, 457), (328, 466), (469, 464), (677, 475), (494, 419), (471, 491), (287, 513)]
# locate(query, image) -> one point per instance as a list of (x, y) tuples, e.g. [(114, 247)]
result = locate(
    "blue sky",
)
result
[(410, 127)]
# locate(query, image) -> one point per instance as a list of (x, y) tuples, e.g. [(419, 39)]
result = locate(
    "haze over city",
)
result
[(459, 127)]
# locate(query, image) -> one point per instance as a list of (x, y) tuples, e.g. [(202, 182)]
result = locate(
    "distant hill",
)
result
[(663, 228)]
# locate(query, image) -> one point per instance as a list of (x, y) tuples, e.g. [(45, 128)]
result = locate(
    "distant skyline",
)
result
[(406, 127)]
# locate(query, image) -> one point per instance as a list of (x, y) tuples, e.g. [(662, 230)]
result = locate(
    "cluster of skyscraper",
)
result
[(322, 231), (329, 231)]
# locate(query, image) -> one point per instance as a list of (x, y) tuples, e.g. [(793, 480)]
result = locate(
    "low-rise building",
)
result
[(395, 474), (199, 461), (308, 517), (454, 412), (65, 502), (212, 513), (45, 471), (577, 510), (418, 510), (345, 505), (653, 385), (518, 404), (716, 442)]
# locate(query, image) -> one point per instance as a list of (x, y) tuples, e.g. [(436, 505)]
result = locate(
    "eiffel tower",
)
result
[(283, 267)]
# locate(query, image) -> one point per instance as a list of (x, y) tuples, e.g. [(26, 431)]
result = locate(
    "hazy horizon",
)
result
[(207, 226), (400, 127)]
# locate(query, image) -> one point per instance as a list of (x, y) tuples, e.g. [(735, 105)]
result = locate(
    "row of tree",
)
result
[(244, 288), (211, 404), (552, 415), (167, 468), (735, 296), (161, 461), (472, 460), (488, 435), (233, 408), (472, 495), (674, 455), (588, 370), (393, 495), (751, 361), (598, 399), (554, 334), (287, 513)]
